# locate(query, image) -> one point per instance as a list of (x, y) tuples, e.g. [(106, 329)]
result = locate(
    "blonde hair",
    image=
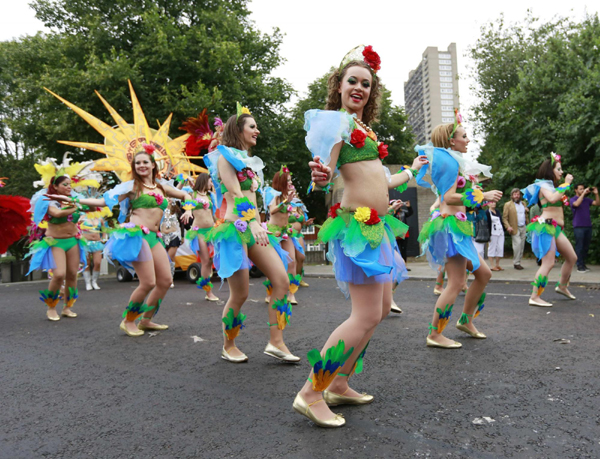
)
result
[(439, 136)]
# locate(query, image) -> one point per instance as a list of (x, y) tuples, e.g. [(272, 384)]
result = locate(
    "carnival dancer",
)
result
[(298, 220), (545, 233), (204, 219), (361, 236), (171, 232), (241, 238), (447, 238), (279, 199), (94, 228), (138, 245), (61, 248)]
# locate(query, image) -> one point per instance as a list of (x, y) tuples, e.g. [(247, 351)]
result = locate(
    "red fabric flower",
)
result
[(358, 138), (382, 149), (372, 58), (535, 219), (373, 219), (333, 210)]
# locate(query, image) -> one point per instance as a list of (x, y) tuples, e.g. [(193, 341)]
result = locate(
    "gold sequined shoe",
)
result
[(301, 407), (68, 313), (154, 327), (304, 284), (563, 293), (128, 332), (333, 399), (225, 356), (454, 345), (395, 308), (207, 298), (463, 328), (539, 304), (277, 353)]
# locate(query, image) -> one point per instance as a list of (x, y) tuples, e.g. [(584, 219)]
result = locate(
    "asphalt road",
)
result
[(80, 388)]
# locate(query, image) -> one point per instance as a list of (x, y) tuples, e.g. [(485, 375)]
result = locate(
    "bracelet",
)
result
[(563, 188), (472, 198), (188, 205), (74, 199), (244, 209)]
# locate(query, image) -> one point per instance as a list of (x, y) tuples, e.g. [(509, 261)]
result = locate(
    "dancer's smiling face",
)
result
[(558, 172), (144, 165), (64, 187), (250, 132), (355, 89), (460, 141)]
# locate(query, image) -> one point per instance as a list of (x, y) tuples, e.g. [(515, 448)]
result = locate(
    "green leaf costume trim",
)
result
[(134, 310), (283, 309), (540, 284), (480, 304), (444, 317), (72, 296), (49, 297)]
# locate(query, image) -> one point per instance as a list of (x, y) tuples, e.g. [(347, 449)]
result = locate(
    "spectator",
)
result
[(402, 214), (514, 217), (496, 246), (483, 230), (582, 223)]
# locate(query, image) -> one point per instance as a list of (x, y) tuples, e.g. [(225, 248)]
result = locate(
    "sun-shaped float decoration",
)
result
[(123, 140)]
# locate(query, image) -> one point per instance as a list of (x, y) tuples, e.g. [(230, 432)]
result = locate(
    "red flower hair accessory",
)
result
[(149, 148), (357, 138), (365, 54)]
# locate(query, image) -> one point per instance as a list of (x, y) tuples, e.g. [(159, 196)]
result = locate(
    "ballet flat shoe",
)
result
[(304, 284), (130, 333), (437, 292), (477, 335), (301, 407), (267, 301), (277, 353), (294, 303), (541, 305), (211, 299), (395, 308), (560, 292), (155, 327), (333, 399), (454, 345), (52, 318), (225, 356), (68, 313)]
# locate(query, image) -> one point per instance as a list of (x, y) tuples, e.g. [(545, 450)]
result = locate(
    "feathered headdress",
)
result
[(201, 135), (365, 54), (79, 172), (458, 119)]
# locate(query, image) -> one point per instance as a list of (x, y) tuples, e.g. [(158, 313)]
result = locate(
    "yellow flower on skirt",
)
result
[(362, 214)]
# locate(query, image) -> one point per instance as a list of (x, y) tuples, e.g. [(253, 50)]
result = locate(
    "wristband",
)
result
[(244, 209), (563, 188), (472, 198), (188, 205)]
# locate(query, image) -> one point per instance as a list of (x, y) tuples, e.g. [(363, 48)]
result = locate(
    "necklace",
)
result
[(367, 129), (150, 187)]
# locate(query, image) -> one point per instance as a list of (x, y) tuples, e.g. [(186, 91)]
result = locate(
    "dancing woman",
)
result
[(447, 238), (545, 233), (204, 220), (138, 245), (361, 236), (61, 249), (241, 238), (279, 201), (299, 219)]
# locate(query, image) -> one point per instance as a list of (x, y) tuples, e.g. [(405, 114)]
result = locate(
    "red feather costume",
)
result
[(15, 219)]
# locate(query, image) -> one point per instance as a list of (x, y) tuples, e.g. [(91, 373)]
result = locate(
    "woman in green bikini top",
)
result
[(137, 245), (204, 219)]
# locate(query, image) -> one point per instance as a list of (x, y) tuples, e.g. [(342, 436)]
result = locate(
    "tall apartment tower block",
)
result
[(431, 92)]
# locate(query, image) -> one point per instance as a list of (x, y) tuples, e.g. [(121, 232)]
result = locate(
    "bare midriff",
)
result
[(365, 185)]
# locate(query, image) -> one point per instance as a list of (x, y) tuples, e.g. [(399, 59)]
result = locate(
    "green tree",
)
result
[(538, 90)]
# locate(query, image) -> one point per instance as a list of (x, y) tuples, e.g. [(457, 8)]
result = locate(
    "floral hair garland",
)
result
[(458, 119), (241, 110), (365, 54), (555, 158)]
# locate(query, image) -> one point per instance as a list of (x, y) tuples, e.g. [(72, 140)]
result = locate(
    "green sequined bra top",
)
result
[(145, 201), (351, 154), (245, 185)]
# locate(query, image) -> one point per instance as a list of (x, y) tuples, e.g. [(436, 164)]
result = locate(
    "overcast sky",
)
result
[(318, 33)]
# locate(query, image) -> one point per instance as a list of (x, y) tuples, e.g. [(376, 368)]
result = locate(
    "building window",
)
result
[(445, 62), (445, 73), (445, 67), (447, 96), (446, 85), (445, 113), (445, 56), (446, 91), (445, 79), (447, 120)]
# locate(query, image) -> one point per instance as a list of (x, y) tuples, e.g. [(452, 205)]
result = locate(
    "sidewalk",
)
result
[(421, 270)]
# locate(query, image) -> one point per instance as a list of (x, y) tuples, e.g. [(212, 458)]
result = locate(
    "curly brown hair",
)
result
[(334, 99), (137, 180)]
